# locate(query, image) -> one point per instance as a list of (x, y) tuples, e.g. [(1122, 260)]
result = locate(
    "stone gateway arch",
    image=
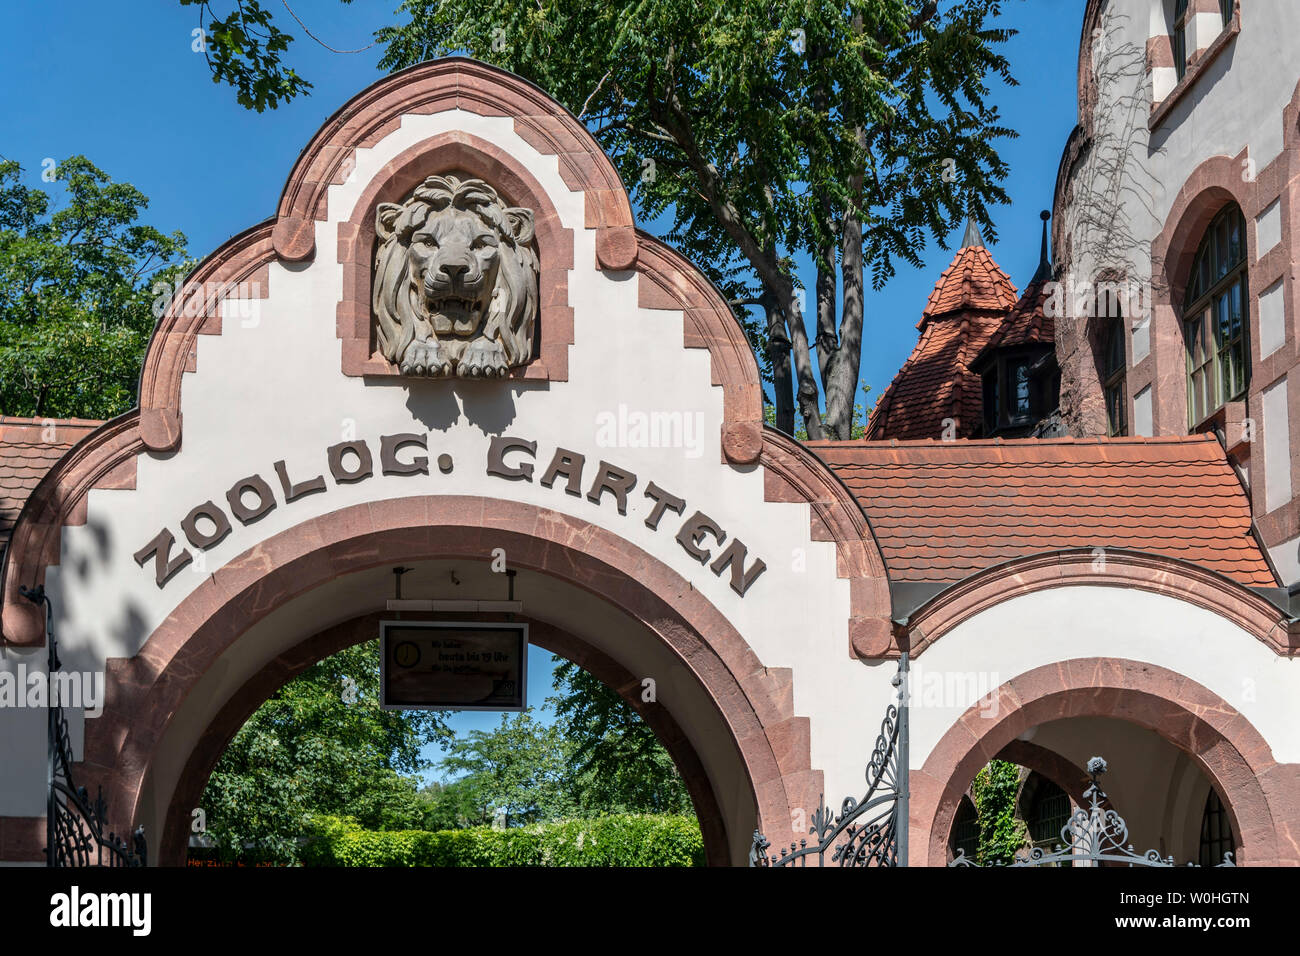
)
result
[(449, 344)]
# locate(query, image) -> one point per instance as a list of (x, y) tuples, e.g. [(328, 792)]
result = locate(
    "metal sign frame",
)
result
[(521, 632)]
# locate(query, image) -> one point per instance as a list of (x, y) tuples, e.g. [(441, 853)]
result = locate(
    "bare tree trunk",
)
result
[(841, 381), (827, 340), (844, 365), (807, 392), (778, 353)]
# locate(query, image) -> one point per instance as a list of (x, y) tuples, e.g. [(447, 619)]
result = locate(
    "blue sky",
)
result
[(127, 91)]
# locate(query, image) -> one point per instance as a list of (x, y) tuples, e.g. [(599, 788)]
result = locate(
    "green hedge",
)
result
[(620, 840)]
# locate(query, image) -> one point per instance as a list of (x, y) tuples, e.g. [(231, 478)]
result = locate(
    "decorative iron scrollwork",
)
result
[(1093, 835), (74, 825), (867, 832)]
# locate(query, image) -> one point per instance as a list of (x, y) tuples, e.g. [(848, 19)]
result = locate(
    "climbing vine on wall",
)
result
[(994, 792)]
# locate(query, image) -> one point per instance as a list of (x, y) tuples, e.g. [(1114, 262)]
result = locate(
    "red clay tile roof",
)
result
[(966, 309), (971, 281), (936, 382), (944, 510), (29, 447), (1027, 323)]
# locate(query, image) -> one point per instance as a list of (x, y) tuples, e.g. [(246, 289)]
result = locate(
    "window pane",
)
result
[(1114, 348), (1200, 276), (1222, 321), (1238, 356), (1116, 408), (1226, 374), (1236, 249), (1020, 390), (1221, 249)]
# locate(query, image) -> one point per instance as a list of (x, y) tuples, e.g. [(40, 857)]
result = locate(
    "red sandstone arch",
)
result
[(1133, 570), (1258, 791), (145, 691), (171, 850)]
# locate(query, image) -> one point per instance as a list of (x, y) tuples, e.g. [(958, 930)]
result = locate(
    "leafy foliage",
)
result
[(307, 753), (848, 133), (451, 806), (311, 749), (994, 793), (76, 310), (520, 768), (624, 840), (244, 49), (766, 131), (618, 764)]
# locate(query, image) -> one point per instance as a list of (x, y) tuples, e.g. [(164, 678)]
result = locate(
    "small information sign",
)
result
[(453, 665)]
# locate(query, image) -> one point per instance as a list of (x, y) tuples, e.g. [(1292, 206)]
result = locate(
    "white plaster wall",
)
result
[(1277, 446), (1268, 227), (1044, 627), (1272, 319), (1142, 422), (272, 389), (1286, 558)]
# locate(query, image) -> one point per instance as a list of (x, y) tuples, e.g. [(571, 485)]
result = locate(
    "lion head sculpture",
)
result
[(455, 285)]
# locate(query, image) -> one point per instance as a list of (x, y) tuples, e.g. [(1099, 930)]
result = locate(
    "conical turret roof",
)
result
[(967, 307)]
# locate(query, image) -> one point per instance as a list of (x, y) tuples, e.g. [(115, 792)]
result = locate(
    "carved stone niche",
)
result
[(455, 290)]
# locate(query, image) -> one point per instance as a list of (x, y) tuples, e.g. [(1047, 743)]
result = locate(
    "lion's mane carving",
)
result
[(455, 285)]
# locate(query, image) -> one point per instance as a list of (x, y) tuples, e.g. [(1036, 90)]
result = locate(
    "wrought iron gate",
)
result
[(74, 826), (1092, 836), (867, 832)]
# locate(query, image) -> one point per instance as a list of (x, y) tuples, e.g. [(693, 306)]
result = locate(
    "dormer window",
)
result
[(1021, 387)]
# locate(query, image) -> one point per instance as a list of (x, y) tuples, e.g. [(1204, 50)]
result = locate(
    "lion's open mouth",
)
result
[(455, 313)]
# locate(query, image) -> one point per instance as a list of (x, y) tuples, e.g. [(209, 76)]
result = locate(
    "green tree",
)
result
[(76, 306), (320, 745), (994, 794), (451, 806), (618, 764), (519, 768), (847, 133)]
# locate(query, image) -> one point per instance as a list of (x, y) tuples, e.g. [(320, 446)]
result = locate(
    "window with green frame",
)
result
[(1214, 318)]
